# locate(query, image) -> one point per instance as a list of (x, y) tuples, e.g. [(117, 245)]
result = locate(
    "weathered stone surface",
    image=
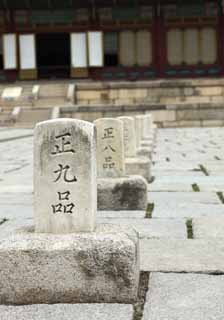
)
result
[(128, 214), (129, 137), (110, 148), (138, 166), (128, 193), (14, 134), (204, 256), (184, 297), (68, 312), (102, 266), (64, 176), (144, 152), (183, 198), (209, 227), (186, 210), (151, 228)]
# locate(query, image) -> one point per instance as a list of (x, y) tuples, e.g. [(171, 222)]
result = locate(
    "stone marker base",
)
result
[(102, 266), (145, 152), (140, 166), (126, 193), (147, 144)]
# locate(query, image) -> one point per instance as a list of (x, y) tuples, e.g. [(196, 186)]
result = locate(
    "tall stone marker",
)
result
[(65, 193), (129, 136), (110, 148), (134, 165)]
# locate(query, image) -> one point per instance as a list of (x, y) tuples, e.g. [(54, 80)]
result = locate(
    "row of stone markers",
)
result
[(67, 257), (124, 150)]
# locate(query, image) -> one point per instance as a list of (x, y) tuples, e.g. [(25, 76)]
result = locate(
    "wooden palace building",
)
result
[(111, 39)]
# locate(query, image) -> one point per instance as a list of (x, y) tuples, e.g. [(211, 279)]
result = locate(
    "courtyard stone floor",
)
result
[(181, 233)]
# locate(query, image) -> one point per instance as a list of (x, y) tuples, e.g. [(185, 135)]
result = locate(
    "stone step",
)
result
[(32, 116)]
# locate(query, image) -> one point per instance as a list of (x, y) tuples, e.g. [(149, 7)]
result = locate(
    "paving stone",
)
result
[(153, 228), (16, 199), (183, 198), (121, 214), (186, 210), (197, 255), (12, 134), (184, 297), (171, 173), (208, 227), (16, 211), (67, 312), (9, 227)]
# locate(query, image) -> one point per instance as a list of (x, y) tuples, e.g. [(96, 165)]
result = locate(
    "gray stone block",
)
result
[(184, 297), (127, 193), (209, 226), (140, 166), (68, 312), (102, 266), (175, 255), (145, 152)]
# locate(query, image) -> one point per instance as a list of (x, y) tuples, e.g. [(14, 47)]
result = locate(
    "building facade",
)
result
[(110, 39)]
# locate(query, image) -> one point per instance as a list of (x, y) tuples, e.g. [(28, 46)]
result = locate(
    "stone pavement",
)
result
[(181, 233)]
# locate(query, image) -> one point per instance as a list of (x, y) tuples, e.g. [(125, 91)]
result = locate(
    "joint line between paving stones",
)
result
[(142, 292), (3, 221), (195, 187), (189, 225), (204, 170), (15, 138), (149, 210), (220, 196)]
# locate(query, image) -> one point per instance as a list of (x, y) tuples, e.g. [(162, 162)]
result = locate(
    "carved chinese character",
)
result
[(68, 208), (57, 208), (64, 169), (64, 145), (64, 195), (108, 163), (109, 147), (108, 133)]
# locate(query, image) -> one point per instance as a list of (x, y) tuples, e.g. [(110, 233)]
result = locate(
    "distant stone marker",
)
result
[(110, 148), (134, 165), (129, 136), (64, 176)]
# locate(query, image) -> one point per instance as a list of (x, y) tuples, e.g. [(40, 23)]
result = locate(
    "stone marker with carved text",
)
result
[(144, 148), (64, 176), (110, 148), (134, 164), (59, 260), (129, 136)]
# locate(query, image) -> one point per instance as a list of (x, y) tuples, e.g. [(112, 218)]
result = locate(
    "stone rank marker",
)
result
[(129, 137), (110, 148), (64, 176)]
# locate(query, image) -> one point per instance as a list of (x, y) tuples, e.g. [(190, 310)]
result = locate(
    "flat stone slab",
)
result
[(186, 210), (197, 255), (184, 297), (208, 227), (127, 214), (153, 228), (68, 312), (183, 198), (79, 267), (16, 211), (14, 134)]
